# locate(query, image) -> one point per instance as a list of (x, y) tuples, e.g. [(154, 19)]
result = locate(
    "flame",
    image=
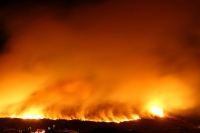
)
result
[(12, 116), (105, 119), (29, 116), (105, 64), (157, 111), (136, 118)]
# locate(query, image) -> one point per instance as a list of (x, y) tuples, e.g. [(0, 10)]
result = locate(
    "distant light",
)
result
[(157, 111), (12, 116), (136, 117)]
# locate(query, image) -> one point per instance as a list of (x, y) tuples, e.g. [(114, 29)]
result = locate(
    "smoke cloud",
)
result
[(99, 60)]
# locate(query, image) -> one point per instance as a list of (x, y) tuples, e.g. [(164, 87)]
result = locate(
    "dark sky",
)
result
[(99, 59)]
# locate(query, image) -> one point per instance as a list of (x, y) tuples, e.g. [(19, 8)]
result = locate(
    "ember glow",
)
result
[(100, 60)]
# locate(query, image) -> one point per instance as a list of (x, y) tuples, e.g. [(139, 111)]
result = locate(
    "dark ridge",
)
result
[(166, 125)]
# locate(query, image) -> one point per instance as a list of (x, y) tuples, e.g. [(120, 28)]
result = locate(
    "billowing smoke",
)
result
[(104, 60)]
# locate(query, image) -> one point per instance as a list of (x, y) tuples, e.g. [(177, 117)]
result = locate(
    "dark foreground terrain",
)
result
[(158, 125)]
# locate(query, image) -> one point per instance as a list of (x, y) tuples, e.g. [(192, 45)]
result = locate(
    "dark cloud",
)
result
[(3, 38)]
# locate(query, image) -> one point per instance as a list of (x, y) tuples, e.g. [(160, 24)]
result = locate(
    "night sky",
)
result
[(99, 59)]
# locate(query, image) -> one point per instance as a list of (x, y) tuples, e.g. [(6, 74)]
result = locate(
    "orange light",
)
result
[(157, 111), (12, 116), (29, 116), (136, 117)]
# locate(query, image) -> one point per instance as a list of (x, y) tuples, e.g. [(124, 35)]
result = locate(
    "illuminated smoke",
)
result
[(106, 61)]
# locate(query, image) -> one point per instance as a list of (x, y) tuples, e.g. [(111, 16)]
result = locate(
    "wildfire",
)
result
[(136, 117), (157, 111), (116, 120), (99, 113), (109, 115), (27, 116)]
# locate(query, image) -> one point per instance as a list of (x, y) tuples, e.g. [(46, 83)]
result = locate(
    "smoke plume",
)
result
[(103, 60)]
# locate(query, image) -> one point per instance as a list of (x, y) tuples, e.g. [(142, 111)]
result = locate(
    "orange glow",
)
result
[(105, 119), (157, 111), (28, 116), (110, 62), (12, 116), (136, 118)]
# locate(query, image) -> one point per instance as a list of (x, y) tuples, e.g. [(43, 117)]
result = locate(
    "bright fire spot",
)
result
[(12, 116), (28, 116), (157, 111), (136, 118)]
